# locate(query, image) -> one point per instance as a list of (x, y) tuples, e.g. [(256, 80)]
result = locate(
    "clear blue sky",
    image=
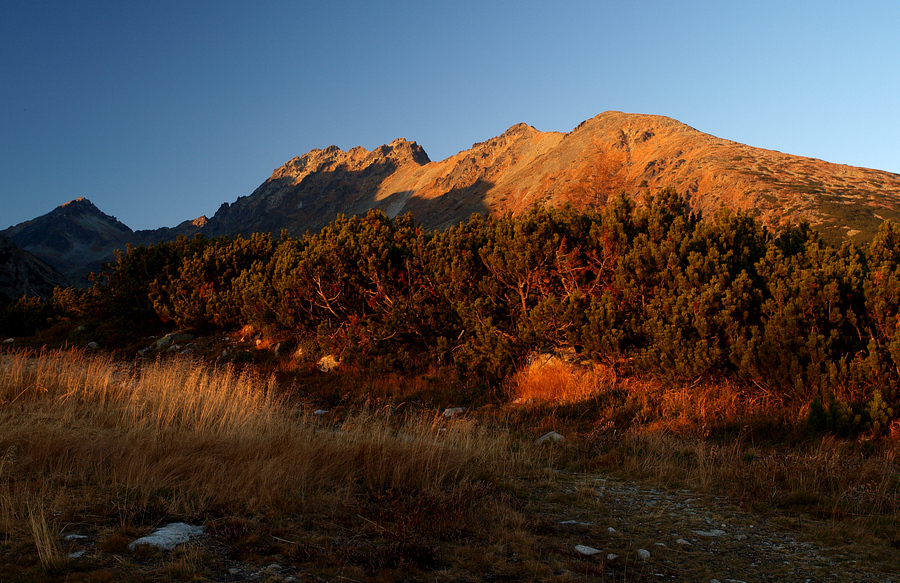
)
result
[(160, 111)]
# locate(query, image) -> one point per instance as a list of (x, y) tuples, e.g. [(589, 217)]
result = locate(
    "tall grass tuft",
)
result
[(551, 380), (189, 437), (52, 558)]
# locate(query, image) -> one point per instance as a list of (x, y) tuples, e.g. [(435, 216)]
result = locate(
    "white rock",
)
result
[(71, 537), (93, 345), (586, 550), (643, 554), (610, 530), (683, 542), (710, 533), (552, 437), (612, 557), (319, 412), (77, 554), (453, 411), (9, 341), (169, 536)]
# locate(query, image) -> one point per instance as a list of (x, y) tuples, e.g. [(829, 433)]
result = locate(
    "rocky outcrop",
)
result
[(309, 191)]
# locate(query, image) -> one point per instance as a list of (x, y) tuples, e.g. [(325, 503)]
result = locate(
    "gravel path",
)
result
[(693, 538)]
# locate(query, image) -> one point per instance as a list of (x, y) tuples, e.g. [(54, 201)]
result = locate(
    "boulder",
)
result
[(586, 550)]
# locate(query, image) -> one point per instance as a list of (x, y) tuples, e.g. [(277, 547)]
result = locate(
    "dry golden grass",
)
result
[(176, 438), (551, 380), (216, 435), (92, 444), (645, 402), (52, 558)]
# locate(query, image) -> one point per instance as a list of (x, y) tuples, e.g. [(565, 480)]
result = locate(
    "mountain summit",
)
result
[(74, 237)]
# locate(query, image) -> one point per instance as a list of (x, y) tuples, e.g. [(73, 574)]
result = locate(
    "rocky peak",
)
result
[(75, 237), (520, 129), (402, 150)]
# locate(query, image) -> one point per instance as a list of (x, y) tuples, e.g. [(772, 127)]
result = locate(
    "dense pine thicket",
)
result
[(649, 288)]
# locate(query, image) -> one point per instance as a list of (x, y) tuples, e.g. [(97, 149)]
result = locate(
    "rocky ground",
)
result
[(588, 527)]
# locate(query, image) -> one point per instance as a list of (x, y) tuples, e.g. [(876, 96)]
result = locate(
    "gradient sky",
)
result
[(159, 112)]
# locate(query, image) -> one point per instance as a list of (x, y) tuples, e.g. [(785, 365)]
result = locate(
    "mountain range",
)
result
[(602, 156)]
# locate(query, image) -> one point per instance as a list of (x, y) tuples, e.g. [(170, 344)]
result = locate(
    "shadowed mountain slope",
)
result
[(23, 274), (76, 238)]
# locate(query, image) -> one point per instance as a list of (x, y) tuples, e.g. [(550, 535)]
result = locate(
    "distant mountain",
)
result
[(21, 273), (611, 152), (604, 155), (76, 238)]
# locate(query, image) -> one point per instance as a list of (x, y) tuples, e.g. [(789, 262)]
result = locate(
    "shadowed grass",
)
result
[(133, 448)]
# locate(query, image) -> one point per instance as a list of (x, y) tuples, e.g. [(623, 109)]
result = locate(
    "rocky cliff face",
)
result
[(308, 191), (609, 153), (24, 274)]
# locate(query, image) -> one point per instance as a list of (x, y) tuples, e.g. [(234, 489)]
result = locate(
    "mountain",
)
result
[(604, 155), (21, 273), (611, 152), (76, 238)]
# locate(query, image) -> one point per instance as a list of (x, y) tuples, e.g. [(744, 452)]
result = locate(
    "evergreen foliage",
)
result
[(650, 286)]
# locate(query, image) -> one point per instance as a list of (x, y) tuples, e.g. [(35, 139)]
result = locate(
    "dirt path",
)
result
[(691, 537)]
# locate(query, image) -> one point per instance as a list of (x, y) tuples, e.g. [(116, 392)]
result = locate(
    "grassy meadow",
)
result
[(386, 489)]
